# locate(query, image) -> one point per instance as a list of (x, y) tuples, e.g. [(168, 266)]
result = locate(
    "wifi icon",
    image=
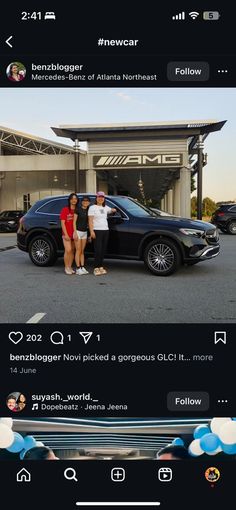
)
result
[(194, 14)]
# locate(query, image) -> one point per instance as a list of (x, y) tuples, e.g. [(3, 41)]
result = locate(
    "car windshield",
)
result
[(134, 207), (4, 214)]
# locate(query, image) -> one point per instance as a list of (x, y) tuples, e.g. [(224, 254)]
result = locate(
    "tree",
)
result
[(194, 206), (208, 206)]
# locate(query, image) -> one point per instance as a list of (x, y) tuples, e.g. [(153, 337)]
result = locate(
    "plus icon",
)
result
[(117, 474)]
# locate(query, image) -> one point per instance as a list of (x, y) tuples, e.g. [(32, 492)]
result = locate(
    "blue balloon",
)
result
[(178, 441), (22, 454), (201, 431), (234, 419), (230, 449), (17, 445), (29, 442), (209, 442)]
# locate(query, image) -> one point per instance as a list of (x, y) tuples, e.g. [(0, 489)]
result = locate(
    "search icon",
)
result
[(70, 474)]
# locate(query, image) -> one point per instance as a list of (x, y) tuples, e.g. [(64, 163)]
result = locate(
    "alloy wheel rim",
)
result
[(40, 251), (161, 257)]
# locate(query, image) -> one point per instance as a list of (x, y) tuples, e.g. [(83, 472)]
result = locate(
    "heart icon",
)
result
[(15, 336)]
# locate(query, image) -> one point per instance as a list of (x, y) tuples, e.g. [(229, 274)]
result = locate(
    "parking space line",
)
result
[(36, 318)]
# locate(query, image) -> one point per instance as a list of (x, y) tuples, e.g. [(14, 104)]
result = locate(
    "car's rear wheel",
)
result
[(42, 252), (231, 228), (162, 257)]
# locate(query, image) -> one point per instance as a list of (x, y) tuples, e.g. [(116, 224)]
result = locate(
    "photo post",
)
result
[(117, 252)]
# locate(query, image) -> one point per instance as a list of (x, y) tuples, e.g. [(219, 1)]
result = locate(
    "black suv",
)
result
[(225, 218), (9, 220), (136, 233)]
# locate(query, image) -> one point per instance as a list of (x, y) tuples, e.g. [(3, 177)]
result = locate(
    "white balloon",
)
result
[(227, 433), (6, 436), (7, 421), (218, 450), (195, 447), (39, 443), (217, 423)]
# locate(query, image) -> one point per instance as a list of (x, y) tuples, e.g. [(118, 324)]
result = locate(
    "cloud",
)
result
[(124, 97), (133, 99)]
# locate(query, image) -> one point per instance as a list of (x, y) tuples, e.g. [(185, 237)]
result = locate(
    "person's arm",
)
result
[(111, 210), (75, 235), (63, 226), (90, 222)]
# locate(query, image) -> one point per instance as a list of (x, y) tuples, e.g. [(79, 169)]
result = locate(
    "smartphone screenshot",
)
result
[(117, 254)]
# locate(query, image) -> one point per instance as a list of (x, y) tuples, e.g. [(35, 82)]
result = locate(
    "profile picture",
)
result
[(16, 71), (16, 401)]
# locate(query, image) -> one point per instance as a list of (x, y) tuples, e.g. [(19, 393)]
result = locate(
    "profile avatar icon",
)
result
[(16, 401), (212, 474), (16, 71)]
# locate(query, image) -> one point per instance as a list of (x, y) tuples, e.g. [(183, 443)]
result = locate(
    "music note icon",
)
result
[(35, 407)]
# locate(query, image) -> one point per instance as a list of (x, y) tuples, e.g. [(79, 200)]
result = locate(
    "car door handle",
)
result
[(52, 223)]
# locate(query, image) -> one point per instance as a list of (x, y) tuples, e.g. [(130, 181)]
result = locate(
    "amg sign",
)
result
[(138, 160)]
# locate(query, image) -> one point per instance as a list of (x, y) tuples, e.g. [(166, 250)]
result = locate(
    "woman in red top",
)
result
[(67, 218)]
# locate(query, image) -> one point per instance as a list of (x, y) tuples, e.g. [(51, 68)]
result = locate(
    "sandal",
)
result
[(102, 270), (96, 271)]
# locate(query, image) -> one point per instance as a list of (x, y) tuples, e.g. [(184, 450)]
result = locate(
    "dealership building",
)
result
[(153, 162)]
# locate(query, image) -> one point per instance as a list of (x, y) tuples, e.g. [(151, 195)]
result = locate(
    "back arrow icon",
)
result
[(8, 41)]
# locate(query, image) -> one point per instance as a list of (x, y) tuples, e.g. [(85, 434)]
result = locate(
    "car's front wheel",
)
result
[(42, 251), (231, 228), (162, 257)]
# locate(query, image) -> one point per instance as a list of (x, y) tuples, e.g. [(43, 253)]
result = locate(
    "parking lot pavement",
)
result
[(127, 294), (7, 241)]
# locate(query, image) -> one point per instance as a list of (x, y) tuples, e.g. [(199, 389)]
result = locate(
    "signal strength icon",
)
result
[(179, 17), (194, 14)]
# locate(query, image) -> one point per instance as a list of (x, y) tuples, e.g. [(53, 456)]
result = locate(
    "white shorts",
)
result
[(82, 235)]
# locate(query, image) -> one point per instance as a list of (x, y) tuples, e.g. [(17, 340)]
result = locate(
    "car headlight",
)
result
[(11, 222), (192, 232)]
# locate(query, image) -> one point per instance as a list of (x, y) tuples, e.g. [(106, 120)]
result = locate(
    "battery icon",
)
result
[(211, 15)]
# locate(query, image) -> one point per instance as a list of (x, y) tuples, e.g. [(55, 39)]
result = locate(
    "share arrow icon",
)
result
[(86, 335)]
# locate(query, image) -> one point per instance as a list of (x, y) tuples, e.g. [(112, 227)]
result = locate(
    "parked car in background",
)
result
[(225, 218), (135, 233), (159, 212), (9, 220)]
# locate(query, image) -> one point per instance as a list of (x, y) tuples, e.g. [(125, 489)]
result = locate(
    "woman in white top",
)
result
[(99, 230)]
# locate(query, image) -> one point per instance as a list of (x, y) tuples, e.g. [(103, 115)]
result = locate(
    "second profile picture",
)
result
[(16, 71), (16, 401)]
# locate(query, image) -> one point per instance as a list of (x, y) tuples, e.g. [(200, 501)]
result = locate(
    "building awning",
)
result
[(135, 130)]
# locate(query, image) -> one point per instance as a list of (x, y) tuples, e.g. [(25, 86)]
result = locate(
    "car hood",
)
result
[(179, 222)]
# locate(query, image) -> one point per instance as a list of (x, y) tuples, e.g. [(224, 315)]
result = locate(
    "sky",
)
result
[(34, 111)]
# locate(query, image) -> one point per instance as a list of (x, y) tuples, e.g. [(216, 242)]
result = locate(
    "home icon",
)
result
[(23, 476)]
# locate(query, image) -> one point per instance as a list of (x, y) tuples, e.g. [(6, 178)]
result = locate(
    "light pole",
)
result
[(76, 149), (200, 147)]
